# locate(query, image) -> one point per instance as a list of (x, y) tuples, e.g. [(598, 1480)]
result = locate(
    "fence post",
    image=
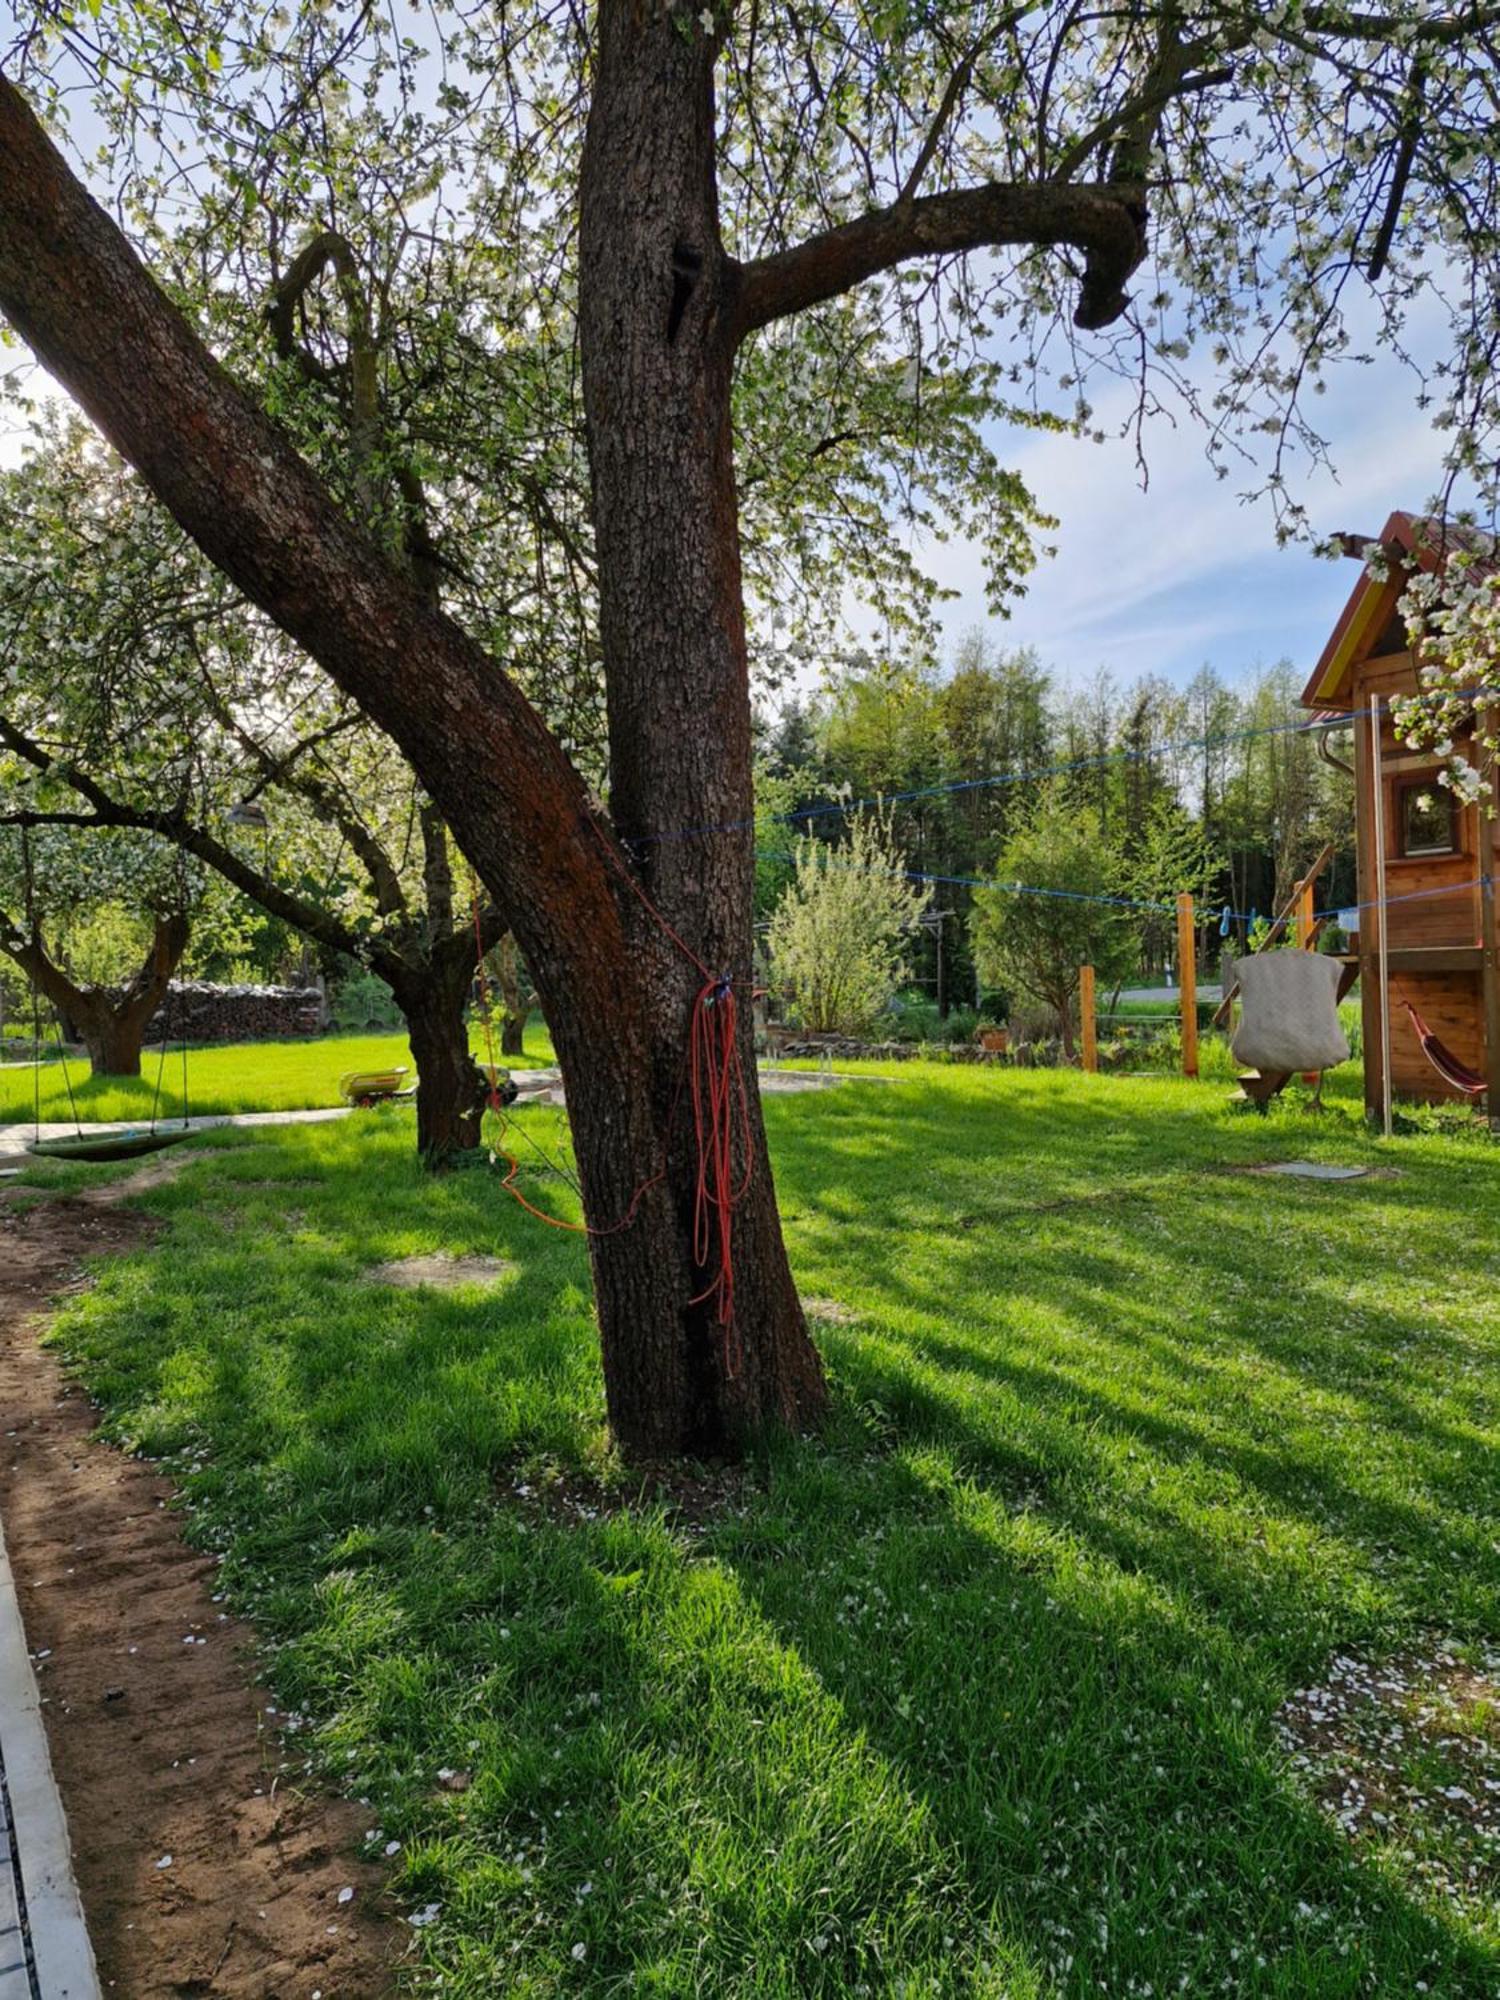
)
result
[(1086, 1018), (1187, 984), (1305, 934)]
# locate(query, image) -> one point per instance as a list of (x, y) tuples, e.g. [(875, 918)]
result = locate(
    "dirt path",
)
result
[(161, 1747)]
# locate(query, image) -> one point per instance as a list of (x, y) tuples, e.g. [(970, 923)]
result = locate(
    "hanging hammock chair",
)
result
[(1457, 1075), (1289, 1013)]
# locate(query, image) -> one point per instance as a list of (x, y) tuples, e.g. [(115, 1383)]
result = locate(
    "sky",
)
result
[(1185, 572)]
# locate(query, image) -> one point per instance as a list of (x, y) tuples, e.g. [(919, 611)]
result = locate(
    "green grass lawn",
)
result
[(245, 1076), (975, 1695)]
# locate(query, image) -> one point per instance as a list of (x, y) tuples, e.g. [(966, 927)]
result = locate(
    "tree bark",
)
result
[(618, 994), (511, 986), (657, 343), (450, 1088)]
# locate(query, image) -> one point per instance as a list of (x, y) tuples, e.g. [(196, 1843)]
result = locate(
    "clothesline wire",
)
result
[(1211, 913), (1213, 740)]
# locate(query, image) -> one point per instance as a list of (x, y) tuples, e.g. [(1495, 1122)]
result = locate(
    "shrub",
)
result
[(838, 937), (363, 1000)]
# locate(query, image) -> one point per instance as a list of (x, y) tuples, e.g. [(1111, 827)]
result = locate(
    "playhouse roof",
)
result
[(1369, 623)]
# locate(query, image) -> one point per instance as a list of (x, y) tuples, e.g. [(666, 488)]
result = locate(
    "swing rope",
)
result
[(29, 883)]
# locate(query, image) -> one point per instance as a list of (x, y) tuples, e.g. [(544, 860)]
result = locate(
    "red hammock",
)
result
[(1443, 1060)]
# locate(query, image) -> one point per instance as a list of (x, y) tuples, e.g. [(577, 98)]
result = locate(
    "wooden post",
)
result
[(1489, 931), (1383, 946), (1367, 935), (1086, 1019), (1187, 983), (1306, 934)]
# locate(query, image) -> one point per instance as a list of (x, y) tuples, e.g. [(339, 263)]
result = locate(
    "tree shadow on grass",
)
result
[(1089, 1733)]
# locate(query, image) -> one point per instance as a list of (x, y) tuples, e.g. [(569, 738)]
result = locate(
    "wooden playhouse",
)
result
[(1431, 859)]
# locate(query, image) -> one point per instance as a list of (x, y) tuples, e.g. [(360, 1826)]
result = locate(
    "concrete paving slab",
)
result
[(44, 1943)]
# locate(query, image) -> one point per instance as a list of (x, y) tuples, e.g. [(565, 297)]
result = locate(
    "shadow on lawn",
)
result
[(1090, 1747), (1191, 1573)]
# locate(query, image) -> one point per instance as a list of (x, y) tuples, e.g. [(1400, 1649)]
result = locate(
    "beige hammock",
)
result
[(1289, 1017)]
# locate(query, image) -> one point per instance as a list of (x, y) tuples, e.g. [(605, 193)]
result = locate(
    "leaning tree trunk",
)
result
[(618, 995), (450, 1088)]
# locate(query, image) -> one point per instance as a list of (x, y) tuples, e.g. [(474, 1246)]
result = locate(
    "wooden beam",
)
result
[(1187, 984), (1307, 937), (1369, 916), (1086, 1019), (1378, 909)]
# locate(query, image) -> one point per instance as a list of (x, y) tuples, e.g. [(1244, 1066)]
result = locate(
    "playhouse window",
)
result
[(1427, 820)]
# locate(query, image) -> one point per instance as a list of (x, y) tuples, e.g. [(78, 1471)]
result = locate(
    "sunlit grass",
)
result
[(244, 1076), (974, 1695)]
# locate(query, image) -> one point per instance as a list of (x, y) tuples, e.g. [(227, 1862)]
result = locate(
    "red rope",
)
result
[(714, 1073), (719, 1095), (717, 1081)]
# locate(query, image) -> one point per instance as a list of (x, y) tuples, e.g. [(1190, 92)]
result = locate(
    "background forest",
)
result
[(1215, 789)]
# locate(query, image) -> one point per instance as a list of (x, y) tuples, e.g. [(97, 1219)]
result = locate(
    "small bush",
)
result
[(363, 1000)]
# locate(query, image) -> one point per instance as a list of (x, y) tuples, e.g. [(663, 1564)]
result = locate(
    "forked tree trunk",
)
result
[(112, 1024), (450, 1089)]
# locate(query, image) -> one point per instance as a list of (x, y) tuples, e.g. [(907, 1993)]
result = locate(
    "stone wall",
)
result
[(198, 1012)]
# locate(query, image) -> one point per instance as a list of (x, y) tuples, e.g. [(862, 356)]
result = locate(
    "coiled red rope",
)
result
[(713, 1071), (720, 1100)]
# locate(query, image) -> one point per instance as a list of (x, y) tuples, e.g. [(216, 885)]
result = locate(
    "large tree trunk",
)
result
[(112, 1039), (617, 993), (450, 1088), (658, 353)]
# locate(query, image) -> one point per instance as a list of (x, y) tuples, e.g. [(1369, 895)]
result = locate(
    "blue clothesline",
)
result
[(829, 860)]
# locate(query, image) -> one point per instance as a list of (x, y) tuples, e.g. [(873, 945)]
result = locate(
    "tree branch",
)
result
[(176, 828), (80, 298), (1106, 223), (390, 898), (325, 249), (1148, 106), (952, 97), (1454, 27)]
